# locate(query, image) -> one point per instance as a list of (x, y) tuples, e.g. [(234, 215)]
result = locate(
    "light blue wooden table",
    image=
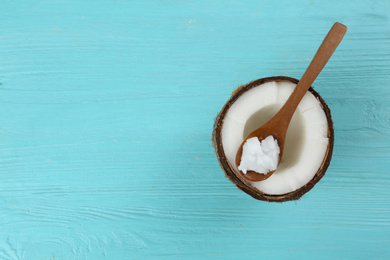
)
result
[(106, 114)]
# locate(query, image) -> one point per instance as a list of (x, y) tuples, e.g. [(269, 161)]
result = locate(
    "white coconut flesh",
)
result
[(306, 140)]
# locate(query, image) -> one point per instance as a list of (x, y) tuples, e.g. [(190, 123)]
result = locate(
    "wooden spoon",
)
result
[(278, 125)]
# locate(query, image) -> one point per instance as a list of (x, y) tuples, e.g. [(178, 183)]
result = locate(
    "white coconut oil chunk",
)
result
[(261, 157), (306, 139)]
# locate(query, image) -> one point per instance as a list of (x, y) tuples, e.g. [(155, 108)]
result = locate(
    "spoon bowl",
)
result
[(261, 133)]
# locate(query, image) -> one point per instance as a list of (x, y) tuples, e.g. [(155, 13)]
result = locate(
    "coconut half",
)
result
[(309, 140)]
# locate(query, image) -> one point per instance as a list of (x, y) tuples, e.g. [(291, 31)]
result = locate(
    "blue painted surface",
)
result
[(106, 114)]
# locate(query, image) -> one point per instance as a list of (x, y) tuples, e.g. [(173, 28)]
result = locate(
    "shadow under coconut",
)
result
[(294, 138)]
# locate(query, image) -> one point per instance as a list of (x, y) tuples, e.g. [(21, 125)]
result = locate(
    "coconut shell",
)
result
[(236, 178)]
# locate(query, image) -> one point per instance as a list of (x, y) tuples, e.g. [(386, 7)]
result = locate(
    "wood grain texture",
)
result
[(106, 114)]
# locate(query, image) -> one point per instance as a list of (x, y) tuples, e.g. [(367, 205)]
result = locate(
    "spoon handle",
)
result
[(324, 52)]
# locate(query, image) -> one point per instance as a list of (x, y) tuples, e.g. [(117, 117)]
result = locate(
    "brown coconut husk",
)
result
[(236, 178)]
